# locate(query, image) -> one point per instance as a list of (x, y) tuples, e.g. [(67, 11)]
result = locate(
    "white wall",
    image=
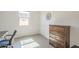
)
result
[(9, 21), (71, 19), (62, 18), (44, 29)]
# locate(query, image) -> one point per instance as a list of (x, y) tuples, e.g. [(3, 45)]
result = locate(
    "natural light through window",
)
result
[(24, 18)]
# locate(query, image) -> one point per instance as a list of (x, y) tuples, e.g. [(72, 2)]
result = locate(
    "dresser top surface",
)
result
[(59, 25)]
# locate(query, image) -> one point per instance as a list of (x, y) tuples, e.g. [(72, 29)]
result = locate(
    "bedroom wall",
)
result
[(9, 21), (1, 21), (70, 19), (44, 25), (44, 28)]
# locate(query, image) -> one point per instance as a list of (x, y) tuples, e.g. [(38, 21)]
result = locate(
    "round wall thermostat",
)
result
[(48, 16)]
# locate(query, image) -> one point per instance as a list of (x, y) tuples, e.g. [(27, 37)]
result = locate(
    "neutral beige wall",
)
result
[(44, 29), (1, 20), (71, 19), (44, 25), (10, 22)]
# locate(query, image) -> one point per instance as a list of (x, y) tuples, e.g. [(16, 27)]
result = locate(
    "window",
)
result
[(24, 18)]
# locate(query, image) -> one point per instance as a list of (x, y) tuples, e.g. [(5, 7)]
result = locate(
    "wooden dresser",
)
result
[(59, 36)]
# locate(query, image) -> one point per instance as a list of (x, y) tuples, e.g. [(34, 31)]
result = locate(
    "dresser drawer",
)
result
[(57, 44), (56, 29), (59, 36)]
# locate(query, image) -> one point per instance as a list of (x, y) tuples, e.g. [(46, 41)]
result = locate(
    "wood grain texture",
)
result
[(59, 36)]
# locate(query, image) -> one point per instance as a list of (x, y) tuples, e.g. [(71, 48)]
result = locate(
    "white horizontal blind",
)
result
[(24, 18)]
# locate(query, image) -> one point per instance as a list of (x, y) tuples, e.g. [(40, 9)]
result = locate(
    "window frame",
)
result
[(25, 15)]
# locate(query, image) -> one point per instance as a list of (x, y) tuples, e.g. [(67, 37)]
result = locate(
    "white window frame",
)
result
[(24, 17)]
